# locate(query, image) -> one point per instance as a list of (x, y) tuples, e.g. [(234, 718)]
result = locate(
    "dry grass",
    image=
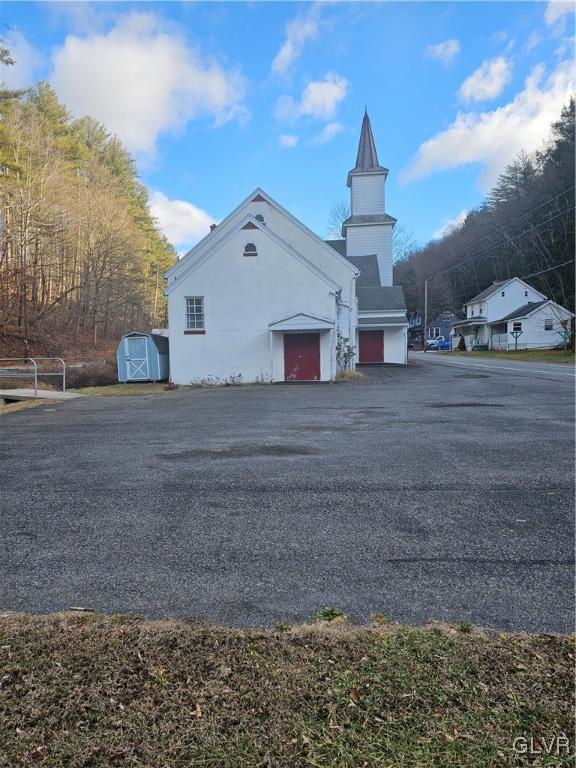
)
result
[(350, 374), (22, 405), (529, 355), (89, 690), (139, 388)]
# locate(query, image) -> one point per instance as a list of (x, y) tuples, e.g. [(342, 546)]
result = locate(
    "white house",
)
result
[(511, 314), (262, 298)]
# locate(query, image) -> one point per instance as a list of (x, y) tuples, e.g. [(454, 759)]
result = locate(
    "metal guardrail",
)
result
[(20, 372)]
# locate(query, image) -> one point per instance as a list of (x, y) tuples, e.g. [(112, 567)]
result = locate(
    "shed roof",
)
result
[(161, 343)]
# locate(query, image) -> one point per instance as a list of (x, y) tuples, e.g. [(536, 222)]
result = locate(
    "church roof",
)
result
[(366, 157), (338, 245), (381, 297), (369, 271), (369, 218), (367, 264)]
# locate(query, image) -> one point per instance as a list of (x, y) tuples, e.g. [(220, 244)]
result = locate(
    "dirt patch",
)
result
[(89, 690), (240, 452)]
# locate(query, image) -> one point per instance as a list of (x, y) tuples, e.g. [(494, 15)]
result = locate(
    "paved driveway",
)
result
[(426, 492)]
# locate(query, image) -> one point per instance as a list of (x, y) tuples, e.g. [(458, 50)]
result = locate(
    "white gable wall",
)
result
[(371, 239), (320, 254), (367, 194), (516, 294), (242, 296)]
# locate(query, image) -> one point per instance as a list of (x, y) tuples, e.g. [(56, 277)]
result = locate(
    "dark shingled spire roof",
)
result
[(367, 157)]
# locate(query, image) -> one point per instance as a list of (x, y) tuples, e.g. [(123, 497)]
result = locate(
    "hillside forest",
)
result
[(524, 228), (81, 258)]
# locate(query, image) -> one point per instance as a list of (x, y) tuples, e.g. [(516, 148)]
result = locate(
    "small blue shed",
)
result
[(142, 357)]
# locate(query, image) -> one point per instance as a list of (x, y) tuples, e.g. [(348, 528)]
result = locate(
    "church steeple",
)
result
[(368, 231), (366, 157)]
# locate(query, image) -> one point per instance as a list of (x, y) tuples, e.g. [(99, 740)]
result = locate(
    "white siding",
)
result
[(395, 345), (516, 293), (372, 239), (242, 295), (533, 334), (367, 194), (321, 255)]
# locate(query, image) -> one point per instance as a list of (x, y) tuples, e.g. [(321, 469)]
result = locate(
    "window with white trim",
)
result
[(195, 312), (517, 325), (433, 333), (250, 250), (548, 324)]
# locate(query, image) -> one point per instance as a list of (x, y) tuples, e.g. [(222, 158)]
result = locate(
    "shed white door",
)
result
[(136, 358)]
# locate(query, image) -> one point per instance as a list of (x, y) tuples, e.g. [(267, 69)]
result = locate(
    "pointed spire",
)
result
[(367, 157)]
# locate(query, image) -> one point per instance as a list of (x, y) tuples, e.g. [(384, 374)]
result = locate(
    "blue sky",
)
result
[(214, 99)]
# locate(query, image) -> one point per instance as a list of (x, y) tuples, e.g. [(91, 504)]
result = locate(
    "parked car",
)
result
[(440, 343)]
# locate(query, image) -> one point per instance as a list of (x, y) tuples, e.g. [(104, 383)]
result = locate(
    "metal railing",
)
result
[(22, 372)]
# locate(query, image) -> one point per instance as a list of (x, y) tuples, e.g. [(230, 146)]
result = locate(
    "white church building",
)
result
[(262, 298)]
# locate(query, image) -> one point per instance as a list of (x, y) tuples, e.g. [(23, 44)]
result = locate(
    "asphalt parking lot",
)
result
[(425, 492)]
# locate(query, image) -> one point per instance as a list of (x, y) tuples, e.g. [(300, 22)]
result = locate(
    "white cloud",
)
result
[(326, 134), (288, 140), (445, 52), (556, 10), (26, 58), (451, 225), (532, 42), (180, 221), (141, 79), (298, 32), (495, 138), (319, 99), (488, 81)]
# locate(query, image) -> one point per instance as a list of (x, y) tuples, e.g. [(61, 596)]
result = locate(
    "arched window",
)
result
[(250, 250)]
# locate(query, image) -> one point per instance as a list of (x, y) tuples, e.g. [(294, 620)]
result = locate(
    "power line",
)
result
[(514, 218), (557, 266), (505, 239)]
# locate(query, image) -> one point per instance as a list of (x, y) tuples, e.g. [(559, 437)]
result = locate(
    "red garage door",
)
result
[(371, 344), (302, 356)]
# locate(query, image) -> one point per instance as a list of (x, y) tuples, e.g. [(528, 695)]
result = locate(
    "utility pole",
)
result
[(425, 329)]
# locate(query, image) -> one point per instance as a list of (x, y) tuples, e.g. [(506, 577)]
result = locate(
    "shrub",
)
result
[(349, 374), (461, 345), (92, 375), (330, 615)]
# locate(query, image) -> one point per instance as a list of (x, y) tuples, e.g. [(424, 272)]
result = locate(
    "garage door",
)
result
[(302, 356), (371, 346)]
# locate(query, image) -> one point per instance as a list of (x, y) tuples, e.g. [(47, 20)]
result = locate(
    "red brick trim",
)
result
[(196, 332), (258, 199), (249, 225)]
